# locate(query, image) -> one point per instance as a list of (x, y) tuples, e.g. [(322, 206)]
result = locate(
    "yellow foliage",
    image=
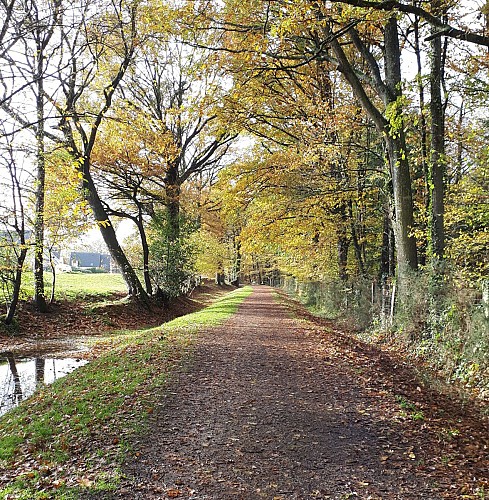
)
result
[(133, 138), (467, 222), (66, 213), (213, 254)]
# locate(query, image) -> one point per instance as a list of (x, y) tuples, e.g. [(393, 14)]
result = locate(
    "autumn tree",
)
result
[(95, 45), (291, 39), (66, 214), (85, 97), (133, 187), (285, 94), (175, 92)]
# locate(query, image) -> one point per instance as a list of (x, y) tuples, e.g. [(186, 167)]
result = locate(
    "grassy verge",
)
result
[(71, 436)]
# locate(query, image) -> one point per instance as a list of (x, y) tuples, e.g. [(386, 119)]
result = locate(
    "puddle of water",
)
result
[(19, 377)]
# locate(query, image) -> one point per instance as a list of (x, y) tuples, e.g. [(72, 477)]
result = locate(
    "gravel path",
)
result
[(269, 409)]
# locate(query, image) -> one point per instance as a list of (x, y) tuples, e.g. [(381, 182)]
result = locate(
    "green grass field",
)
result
[(83, 284), (78, 285)]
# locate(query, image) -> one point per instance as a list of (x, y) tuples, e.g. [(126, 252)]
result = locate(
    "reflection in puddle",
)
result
[(19, 377)]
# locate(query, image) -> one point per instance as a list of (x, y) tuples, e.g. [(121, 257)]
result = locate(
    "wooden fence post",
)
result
[(485, 298), (393, 301)]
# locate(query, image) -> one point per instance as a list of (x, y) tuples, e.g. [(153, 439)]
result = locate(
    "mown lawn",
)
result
[(71, 286)]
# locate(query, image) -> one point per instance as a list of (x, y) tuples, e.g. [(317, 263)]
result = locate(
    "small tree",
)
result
[(212, 254), (13, 245), (173, 259)]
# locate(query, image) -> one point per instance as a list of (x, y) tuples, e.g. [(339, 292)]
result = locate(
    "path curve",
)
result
[(267, 411)]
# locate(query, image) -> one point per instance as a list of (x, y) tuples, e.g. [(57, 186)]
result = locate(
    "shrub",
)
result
[(349, 302), (172, 256)]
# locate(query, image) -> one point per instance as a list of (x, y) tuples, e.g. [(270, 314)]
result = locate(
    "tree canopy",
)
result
[(316, 140)]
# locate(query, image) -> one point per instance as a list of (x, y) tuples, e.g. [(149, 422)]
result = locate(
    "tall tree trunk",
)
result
[(237, 261), (423, 127), (53, 273), (460, 144), (355, 241), (392, 249), (12, 307), (343, 244), (436, 181), (390, 126), (173, 212), (39, 295), (107, 231), (145, 249), (403, 222), (175, 261), (395, 141), (422, 172), (172, 192), (436, 176), (387, 255), (384, 254), (18, 221)]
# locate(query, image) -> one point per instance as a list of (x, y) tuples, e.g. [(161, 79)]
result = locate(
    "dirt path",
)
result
[(273, 407)]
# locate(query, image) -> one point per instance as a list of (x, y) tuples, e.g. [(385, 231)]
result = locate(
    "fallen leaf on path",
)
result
[(84, 481)]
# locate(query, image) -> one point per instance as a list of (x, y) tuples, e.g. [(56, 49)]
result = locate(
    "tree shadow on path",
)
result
[(273, 406)]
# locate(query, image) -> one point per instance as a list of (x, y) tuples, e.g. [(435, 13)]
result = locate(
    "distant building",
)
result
[(87, 260), (64, 260)]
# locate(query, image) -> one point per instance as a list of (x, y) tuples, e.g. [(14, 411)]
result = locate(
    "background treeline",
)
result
[(339, 149)]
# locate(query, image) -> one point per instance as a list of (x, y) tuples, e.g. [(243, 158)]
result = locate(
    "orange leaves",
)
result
[(135, 139), (173, 493)]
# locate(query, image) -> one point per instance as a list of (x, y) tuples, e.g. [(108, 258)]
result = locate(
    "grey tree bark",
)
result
[(39, 295), (109, 236), (17, 222), (43, 26)]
